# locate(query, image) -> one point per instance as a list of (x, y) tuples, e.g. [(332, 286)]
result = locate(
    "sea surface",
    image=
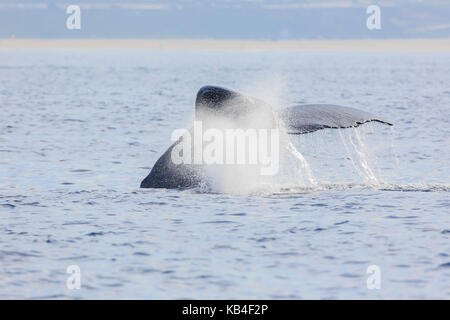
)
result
[(79, 130)]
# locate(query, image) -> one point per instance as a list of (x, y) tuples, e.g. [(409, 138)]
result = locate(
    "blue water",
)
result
[(81, 129)]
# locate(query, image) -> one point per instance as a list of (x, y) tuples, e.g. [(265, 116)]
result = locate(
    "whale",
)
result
[(219, 102)]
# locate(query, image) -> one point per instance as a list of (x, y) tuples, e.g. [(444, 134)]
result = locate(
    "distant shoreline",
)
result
[(402, 45)]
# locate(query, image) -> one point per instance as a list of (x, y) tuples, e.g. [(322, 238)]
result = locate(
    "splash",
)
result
[(330, 160), (245, 177), (358, 154), (306, 163), (292, 167)]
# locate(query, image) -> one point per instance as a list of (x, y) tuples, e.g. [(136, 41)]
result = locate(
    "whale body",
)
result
[(213, 101)]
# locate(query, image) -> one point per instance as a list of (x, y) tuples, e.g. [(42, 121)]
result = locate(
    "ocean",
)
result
[(80, 129)]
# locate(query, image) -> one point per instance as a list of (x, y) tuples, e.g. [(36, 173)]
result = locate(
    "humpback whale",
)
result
[(214, 101)]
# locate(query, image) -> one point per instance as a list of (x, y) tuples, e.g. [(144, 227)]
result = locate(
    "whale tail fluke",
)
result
[(214, 104), (298, 119)]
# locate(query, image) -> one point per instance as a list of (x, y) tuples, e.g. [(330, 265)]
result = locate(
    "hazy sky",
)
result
[(231, 19)]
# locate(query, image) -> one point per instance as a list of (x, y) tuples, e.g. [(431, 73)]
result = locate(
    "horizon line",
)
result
[(362, 44)]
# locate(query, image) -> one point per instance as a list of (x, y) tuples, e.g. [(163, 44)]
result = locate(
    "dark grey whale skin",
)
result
[(298, 119), (166, 174)]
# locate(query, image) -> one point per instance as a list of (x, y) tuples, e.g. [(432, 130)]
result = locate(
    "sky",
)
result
[(226, 19)]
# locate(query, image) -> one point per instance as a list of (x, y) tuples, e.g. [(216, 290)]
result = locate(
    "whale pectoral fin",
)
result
[(312, 117)]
